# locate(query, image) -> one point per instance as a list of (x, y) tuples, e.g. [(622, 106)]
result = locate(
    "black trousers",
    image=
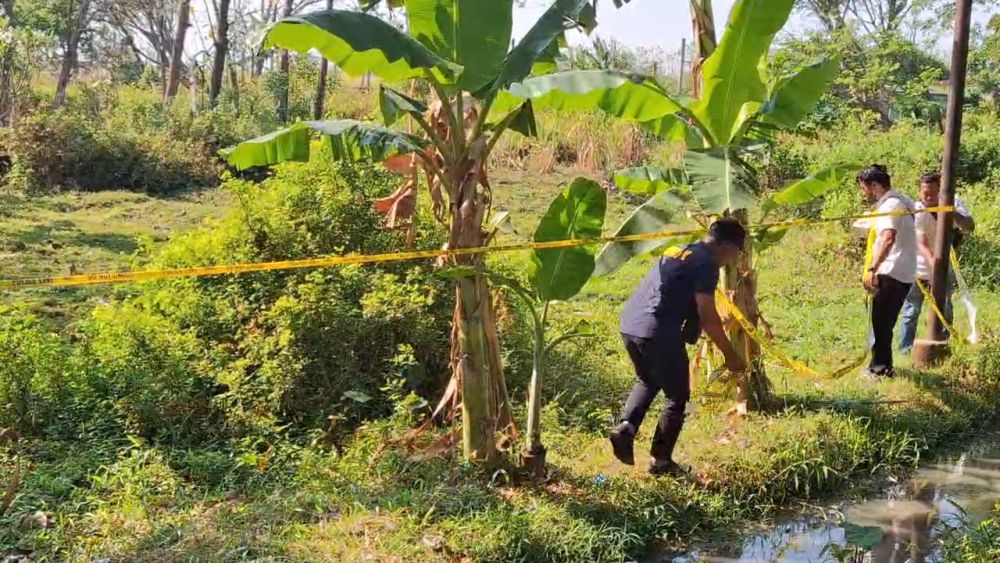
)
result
[(660, 365), (886, 305)]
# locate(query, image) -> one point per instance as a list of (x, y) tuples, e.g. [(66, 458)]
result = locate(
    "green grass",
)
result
[(89, 232), (373, 499)]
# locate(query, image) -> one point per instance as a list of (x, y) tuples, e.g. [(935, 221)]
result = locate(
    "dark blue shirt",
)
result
[(665, 298)]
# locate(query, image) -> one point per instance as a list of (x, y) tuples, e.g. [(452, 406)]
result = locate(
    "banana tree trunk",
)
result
[(753, 390), (471, 353), (533, 458), (703, 30)]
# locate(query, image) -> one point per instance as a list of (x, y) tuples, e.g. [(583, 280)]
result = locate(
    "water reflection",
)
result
[(901, 527)]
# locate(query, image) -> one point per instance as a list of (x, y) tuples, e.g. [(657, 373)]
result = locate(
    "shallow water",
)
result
[(905, 521)]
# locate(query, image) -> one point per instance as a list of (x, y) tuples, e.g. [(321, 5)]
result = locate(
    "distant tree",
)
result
[(177, 49), (882, 73), (984, 62), (221, 48)]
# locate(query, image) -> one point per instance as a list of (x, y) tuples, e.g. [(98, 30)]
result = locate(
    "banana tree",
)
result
[(739, 112), (555, 274), (461, 49)]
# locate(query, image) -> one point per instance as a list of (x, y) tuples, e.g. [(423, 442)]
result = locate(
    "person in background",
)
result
[(893, 267), (671, 306), (926, 225)]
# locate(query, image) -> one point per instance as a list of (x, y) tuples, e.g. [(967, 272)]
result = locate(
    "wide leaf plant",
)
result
[(462, 50), (736, 117)]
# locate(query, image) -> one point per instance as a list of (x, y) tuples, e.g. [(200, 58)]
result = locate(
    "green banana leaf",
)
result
[(720, 180), (792, 98), (732, 84), (649, 180), (472, 33), (576, 213), (348, 140), (394, 105), (626, 96), (359, 43), (658, 214), (547, 62), (813, 186), (518, 64)]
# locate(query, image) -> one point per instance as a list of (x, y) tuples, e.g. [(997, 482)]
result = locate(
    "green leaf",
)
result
[(576, 213), (524, 120), (547, 62), (811, 187), (657, 214), (767, 237), (290, 144), (719, 180), (730, 75), (792, 98), (348, 140), (865, 537), (649, 180), (626, 96), (395, 105), (520, 60), (359, 43), (472, 33)]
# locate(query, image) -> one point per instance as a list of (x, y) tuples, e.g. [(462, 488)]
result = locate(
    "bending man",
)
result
[(674, 302)]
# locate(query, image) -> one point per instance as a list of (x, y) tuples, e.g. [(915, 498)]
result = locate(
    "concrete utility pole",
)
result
[(932, 350), (680, 71)]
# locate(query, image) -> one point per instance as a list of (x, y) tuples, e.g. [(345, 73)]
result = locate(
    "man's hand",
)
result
[(870, 281), (736, 365)]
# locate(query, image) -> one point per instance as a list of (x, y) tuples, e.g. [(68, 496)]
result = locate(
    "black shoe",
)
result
[(670, 469), (622, 444)]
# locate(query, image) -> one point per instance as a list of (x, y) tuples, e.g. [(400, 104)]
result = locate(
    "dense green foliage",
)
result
[(215, 358)]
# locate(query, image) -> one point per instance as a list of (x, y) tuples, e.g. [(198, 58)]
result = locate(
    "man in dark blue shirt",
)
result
[(672, 305)]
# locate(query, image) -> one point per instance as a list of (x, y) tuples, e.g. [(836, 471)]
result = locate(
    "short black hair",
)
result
[(728, 231), (876, 173), (932, 177)]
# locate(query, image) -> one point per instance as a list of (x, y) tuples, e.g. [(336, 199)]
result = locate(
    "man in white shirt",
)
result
[(894, 263), (926, 227)]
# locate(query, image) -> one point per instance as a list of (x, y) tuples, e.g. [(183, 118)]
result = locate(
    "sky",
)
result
[(640, 23), (662, 23)]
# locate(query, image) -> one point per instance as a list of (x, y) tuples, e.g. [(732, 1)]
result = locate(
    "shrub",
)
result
[(247, 355), (33, 382), (66, 149)]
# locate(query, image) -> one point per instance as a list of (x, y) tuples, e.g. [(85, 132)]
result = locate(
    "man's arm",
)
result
[(708, 316), (965, 223)]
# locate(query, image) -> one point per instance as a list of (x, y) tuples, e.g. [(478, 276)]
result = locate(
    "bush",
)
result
[(67, 149), (248, 355), (33, 382)]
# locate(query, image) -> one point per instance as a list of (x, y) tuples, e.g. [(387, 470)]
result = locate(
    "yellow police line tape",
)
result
[(327, 261)]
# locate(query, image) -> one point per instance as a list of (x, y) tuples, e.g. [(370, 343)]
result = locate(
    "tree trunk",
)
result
[(221, 52), (71, 54), (194, 86), (533, 458), (703, 29), (177, 54), (471, 357), (284, 65), (740, 285), (321, 84), (234, 83), (7, 69)]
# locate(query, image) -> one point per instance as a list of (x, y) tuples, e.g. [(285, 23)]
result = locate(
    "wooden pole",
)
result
[(930, 351)]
